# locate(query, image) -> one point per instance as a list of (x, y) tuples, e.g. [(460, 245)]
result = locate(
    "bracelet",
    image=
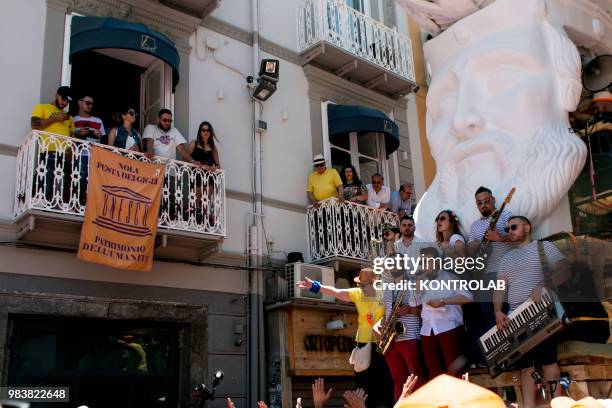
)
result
[(316, 287)]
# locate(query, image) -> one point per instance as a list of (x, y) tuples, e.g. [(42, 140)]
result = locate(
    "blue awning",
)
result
[(94, 33), (343, 119)]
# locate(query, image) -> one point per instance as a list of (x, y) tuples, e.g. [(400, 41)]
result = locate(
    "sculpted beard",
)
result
[(541, 175)]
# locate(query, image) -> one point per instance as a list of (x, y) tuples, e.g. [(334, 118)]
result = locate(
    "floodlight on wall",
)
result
[(266, 81)]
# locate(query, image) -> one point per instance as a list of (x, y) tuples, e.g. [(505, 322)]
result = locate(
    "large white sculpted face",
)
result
[(497, 115)]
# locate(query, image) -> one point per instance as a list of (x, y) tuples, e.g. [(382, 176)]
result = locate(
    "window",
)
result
[(105, 363), (365, 151)]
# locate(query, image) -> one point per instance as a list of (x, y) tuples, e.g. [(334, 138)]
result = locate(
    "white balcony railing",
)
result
[(52, 173), (335, 22), (344, 230)]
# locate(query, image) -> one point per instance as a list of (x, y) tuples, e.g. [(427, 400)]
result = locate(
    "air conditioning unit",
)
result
[(300, 271)]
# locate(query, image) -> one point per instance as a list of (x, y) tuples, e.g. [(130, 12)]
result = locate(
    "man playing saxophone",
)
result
[(403, 355)]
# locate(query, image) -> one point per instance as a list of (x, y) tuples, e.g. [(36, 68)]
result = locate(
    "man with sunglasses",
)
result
[(379, 195), (323, 183), (163, 139), (404, 355), (90, 128), (479, 315), (522, 270), (87, 126)]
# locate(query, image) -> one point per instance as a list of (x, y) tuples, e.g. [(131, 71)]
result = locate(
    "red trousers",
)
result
[(444, 352), (404, 358)]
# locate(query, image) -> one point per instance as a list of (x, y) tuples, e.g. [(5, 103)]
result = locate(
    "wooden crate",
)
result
[(587, 379)]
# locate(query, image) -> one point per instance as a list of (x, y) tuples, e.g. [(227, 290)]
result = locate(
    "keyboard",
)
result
[(529, 325)]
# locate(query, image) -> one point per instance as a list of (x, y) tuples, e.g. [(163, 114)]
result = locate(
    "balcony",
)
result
[(50, 196), (350, 44), (341, 234)]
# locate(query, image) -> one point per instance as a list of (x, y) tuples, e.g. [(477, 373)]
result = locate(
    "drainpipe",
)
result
[(256, 358)]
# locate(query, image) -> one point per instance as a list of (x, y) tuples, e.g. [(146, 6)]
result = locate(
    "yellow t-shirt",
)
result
[(45, 111), (370, 310), (324, 185)]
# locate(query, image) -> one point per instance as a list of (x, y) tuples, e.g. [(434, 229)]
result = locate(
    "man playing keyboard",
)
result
[(522, 270)]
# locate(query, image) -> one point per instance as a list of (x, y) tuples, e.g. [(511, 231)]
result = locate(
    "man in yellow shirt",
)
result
[(50, 117), (323, 182)]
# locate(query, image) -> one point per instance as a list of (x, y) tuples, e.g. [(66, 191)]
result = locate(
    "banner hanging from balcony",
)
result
[(122, 209)]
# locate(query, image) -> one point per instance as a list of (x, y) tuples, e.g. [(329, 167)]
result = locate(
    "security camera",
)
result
[(250, 79)]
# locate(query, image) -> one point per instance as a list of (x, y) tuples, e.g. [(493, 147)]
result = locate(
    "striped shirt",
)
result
[(411, 322), (497, 250), (411, 298), (522, 270)]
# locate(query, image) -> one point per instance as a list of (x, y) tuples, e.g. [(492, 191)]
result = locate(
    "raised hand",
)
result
[(355, 399), (409, 386), (229, 402), (319, 396), (262, 404), (305, 284), (298, 403)]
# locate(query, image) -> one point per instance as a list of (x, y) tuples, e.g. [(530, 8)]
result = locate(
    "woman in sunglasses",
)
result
[(204, 153), (125, 136), (448, 234)]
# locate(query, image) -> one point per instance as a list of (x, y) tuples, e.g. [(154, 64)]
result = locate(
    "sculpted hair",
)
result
[(565, 57)]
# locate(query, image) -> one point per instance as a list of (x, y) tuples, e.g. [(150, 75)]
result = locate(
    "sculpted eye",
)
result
[(447, 104), (504, 79)]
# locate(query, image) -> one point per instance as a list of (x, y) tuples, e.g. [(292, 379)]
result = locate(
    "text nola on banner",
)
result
[(123, 202)]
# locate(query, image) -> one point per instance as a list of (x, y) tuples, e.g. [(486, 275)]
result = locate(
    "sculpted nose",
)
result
[(468, 120), (467, 123)]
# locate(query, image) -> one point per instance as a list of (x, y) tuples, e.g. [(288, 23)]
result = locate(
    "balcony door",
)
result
[(363, 151)]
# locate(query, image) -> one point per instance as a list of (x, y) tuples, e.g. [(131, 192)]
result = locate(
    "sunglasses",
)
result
[(132, 112), (441, 218), (88, 103), (512, 227), (319, 165)]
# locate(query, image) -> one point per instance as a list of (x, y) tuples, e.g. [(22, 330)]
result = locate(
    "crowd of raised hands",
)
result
[(353, 399)]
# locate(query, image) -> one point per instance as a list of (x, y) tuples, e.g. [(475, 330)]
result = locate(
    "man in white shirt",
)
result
[(379, 196), (441, 315), (164, 140)]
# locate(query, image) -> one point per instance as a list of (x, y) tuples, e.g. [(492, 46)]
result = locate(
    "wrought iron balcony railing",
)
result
[(333, 21), (344, 230), (52, 174)]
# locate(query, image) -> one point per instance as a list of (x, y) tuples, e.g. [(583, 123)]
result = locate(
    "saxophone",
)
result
[(392, 326)]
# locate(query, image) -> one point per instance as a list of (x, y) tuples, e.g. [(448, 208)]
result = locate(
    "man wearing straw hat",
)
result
[(375, 380)]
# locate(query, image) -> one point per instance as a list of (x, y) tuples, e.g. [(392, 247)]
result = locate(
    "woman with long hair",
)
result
[(376, 379), (354, 190), (204, 152), (203, 149), (124, 135), (448, 234)]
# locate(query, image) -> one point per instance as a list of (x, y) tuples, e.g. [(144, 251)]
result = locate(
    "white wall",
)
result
[(277, 19), (287, 151), (22, 25)]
